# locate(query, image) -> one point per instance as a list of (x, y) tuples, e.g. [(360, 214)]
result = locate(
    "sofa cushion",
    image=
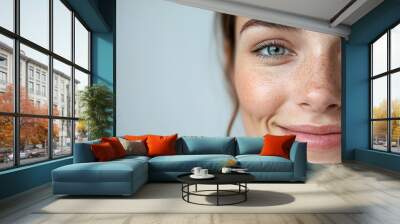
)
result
[(116, 145), (277, 145), (135, 147), (185, 163), (111, 171), (249, 145), (195, 145), (103, 152), (257, 163), (132, 158), (159, 145)]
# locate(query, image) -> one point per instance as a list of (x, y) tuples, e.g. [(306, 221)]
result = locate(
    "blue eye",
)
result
[(273, 50)]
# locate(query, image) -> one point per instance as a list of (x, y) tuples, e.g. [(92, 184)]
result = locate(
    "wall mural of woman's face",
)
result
[(288, 81)]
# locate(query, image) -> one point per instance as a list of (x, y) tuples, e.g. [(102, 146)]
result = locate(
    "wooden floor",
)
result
[(377, 188)]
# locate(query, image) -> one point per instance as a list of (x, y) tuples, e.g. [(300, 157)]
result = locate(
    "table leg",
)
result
[(188, 190), (245, 193), (217, 194), (195, 188)]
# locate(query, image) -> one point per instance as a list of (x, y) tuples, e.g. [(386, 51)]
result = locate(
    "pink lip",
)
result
[(317, 137)]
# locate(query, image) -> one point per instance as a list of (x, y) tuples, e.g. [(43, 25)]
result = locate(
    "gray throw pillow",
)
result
[(137, 147)]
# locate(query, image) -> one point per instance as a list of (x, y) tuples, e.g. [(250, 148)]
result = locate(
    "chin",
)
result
[(326, 156)]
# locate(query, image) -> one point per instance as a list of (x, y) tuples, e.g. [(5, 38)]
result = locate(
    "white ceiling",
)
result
[(327, 16), (319, 9)]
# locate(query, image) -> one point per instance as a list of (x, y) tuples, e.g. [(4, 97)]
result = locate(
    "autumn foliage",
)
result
[(380, 127), (33, 131)]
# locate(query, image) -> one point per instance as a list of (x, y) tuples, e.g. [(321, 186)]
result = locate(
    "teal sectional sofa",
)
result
[(125, 176)]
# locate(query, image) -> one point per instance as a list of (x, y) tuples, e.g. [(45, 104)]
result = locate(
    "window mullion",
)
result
[(16, 83), (50, 81), (389, 106), (73, 81), (371, 142)]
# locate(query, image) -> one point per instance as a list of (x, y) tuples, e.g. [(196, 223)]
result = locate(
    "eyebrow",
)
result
[(254, 22)]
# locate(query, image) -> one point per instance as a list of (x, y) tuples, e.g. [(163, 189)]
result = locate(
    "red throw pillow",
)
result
[(116, 145), (103, 151), (277, 145), (161, 145)]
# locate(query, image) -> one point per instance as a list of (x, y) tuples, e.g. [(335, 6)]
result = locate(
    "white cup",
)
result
[(226, 170), (203, 172), (196, 171)]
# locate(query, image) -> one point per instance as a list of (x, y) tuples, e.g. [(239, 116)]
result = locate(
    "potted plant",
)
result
[(96, 102)]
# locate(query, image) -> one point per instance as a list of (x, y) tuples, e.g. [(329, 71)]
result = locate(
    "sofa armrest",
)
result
[(298, 155), (83, 152)]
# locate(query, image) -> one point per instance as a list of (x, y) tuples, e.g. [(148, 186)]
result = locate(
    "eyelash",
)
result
[(274, 43)]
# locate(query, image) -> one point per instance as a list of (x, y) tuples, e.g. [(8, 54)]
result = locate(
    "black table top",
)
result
[(220, 178)]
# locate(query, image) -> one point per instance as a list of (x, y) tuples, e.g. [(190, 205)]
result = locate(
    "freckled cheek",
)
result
[(259, 93)]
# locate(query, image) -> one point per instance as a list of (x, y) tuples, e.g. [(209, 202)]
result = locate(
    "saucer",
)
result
[(208, 176)]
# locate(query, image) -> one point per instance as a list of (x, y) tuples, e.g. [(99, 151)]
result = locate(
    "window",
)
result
[(81, 45), (62, 137), (34, 21), (47, 74), (3, 61), (385, 94), (62, 74), (30, 72), (6, 73), (81, 82), (6, 142), (30, 87), (3, 78), (7, 14), (37, 74), (37, 89), (62, 29), (44, 91)]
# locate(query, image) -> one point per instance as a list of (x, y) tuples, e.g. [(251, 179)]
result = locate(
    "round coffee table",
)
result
[(238, 179)]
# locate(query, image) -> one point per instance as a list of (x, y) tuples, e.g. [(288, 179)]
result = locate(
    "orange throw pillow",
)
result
[(116, 145), (277, 145), (136, 137), (103, 152), (161, 145)]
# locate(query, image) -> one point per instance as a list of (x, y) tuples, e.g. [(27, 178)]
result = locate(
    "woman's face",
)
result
[(288, 81)]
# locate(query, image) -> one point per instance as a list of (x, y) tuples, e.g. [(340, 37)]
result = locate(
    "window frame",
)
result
[(388, 74), (16, 115)]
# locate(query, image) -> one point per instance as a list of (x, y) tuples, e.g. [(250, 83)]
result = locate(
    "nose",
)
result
[(321, 93), (320, 100)]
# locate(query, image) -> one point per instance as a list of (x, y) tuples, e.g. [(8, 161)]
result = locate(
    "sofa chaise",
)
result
[(125, 176)]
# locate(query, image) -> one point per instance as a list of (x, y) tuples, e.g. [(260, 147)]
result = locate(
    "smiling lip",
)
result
[(317, 137)]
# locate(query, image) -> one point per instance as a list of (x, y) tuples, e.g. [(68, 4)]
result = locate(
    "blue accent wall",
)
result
[(102, 58), (99, 15), (356, 86), (103, 51), (24, 178)]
